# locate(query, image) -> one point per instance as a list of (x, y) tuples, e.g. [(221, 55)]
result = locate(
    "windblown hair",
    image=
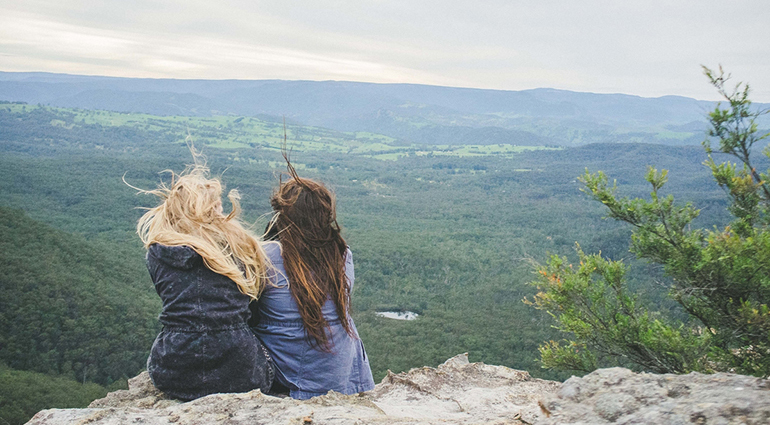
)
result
[(191, 214), (313, 253)]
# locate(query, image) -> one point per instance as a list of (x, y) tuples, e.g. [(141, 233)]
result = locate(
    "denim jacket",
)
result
[(205, 346), (304, 369)]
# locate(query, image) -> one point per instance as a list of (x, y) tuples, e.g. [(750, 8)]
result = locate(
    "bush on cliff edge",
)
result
[(721, 277)]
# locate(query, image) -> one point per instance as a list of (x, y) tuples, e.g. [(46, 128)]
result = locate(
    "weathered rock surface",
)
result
[(620, 396), (457, 392)]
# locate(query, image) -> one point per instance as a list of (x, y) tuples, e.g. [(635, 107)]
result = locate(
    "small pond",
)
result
[(398, 315)]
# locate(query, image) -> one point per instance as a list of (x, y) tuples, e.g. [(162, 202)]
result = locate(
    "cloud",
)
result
[(650, 48), (191, 55)]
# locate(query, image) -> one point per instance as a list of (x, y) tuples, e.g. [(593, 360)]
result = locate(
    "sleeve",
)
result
[(152, 267)]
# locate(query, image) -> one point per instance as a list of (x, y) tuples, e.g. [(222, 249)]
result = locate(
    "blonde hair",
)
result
[(191, 214)]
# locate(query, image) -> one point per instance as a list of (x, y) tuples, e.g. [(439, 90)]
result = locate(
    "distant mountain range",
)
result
[(412, 113)]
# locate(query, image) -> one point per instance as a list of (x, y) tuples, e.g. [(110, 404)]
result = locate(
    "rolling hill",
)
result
[(414, 114)]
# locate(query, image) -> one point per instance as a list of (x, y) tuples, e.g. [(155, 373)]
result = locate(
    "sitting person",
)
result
[(206, 268), (303, 315)]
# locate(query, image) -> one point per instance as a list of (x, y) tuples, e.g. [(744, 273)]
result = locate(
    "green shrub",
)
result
[(720, 277)]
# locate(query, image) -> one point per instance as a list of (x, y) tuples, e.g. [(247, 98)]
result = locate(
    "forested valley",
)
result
[(449, 232)]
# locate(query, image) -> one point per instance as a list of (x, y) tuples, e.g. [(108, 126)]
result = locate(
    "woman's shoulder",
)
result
[(177, 256), (273, 251)]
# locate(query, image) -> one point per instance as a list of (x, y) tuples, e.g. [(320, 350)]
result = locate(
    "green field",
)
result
[(228, 132)]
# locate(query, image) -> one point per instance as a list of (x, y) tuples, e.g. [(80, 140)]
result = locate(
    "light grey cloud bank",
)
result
[(648, 48)]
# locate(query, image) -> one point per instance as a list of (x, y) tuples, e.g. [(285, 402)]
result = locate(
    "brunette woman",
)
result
[(303, 315), (206, 268)]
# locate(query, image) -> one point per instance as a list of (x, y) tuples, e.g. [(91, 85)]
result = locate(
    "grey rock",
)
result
[(456, 392), (620, 396), (141, 393), (612, 406)]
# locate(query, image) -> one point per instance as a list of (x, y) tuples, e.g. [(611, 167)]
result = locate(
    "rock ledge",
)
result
[(456, 392)]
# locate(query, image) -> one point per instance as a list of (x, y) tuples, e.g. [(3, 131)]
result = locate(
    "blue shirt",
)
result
[(305, 370)]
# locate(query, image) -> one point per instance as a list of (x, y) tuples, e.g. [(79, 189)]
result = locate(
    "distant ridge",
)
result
[(416, 113)]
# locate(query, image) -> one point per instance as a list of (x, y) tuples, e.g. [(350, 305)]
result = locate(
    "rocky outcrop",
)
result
[(462, 392), (620, 396), (457, 392)]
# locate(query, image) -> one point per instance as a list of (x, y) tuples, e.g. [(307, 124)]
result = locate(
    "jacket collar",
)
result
[(180, 257)]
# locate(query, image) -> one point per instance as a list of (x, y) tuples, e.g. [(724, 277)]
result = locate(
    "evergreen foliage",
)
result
[(68, 307), (720, 277), (22, 394)]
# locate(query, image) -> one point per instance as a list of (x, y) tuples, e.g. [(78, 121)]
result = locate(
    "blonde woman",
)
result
[(206, 268)]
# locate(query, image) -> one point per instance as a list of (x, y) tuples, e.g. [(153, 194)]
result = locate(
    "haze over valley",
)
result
[(408, 113)]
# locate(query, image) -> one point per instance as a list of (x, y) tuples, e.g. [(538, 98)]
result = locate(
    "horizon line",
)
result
[(355, 82)]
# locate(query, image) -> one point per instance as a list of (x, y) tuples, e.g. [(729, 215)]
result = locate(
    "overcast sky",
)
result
[(649, 48)]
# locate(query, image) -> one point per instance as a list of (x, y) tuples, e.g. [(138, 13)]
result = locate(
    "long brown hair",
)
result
[(313, 253)]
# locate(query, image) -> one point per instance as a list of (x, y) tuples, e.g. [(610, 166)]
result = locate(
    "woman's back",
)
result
[(303, 367), (205, 346), (194, 297)]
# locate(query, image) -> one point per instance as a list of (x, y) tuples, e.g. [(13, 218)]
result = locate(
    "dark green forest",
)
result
[(451, 234)]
